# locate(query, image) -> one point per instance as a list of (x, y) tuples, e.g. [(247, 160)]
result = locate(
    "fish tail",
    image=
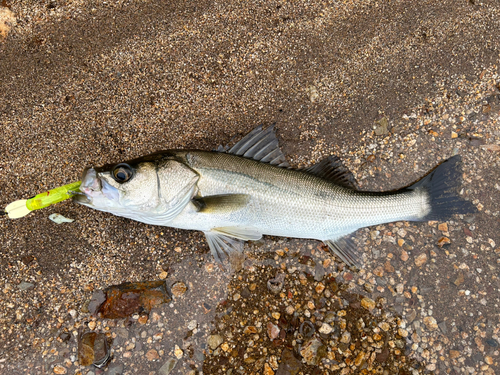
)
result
[(442, 186)]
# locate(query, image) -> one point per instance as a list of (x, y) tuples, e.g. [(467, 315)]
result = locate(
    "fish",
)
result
[(241, 193)]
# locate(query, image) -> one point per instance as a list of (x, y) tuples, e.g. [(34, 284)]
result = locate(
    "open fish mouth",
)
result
[(93, 187), (90, 184)]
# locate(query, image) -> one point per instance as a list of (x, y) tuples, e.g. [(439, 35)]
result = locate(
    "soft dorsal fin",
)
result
[(261, 145), (333, 169)]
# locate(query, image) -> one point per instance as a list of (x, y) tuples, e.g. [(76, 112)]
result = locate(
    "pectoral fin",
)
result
[(219, 204), (346, 250)]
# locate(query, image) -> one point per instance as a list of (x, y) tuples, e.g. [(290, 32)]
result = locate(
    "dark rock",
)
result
[(65, 336), (245, 292), (492, 342), (98, 298), (383, 355), (476, 142), (319, 272), (27, 259)]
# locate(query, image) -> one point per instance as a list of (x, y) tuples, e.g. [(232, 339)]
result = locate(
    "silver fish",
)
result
[(250, 191)]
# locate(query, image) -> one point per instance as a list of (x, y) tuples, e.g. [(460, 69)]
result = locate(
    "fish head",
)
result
[(118, 188), (151, 189)]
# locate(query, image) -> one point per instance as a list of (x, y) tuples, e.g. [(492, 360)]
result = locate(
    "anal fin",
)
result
[(346, 250)]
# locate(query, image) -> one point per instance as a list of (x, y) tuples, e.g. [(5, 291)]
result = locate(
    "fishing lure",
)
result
[(23, 207)]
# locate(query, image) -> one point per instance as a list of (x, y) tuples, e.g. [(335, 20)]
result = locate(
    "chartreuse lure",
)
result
[(23, 207)]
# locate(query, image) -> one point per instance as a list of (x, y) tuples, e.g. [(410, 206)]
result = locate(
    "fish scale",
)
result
[(289, 203)]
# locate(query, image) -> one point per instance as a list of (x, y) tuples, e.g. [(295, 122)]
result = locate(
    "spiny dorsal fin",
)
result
[(333, 169), (260, 145), (218, 204)]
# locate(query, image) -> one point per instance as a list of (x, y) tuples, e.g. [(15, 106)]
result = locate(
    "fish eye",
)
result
[(122, 172)]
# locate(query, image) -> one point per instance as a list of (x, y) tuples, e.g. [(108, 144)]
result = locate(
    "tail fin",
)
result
[(442, 185)]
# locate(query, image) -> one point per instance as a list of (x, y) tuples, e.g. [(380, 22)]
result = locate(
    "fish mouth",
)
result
[(81, 198), (90, 185), (95, 190)]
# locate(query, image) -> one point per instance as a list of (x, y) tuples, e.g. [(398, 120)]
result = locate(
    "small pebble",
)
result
[(214, 341), (152, 355), (346, 337), (430, 323), (268, 370), (60, 369), (368, 303), (443, 241), (325, 328), (192, 325), (421, 259), (272, 331), (443, 227), (178, 352), (167, 367), (310, 350), (319, 288), (25, 285), (250, 330), (178, 289)]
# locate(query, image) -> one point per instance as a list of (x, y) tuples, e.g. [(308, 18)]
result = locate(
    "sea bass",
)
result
[(250, 190)]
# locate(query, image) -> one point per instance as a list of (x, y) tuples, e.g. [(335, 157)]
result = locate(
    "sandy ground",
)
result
[(88, 83)]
